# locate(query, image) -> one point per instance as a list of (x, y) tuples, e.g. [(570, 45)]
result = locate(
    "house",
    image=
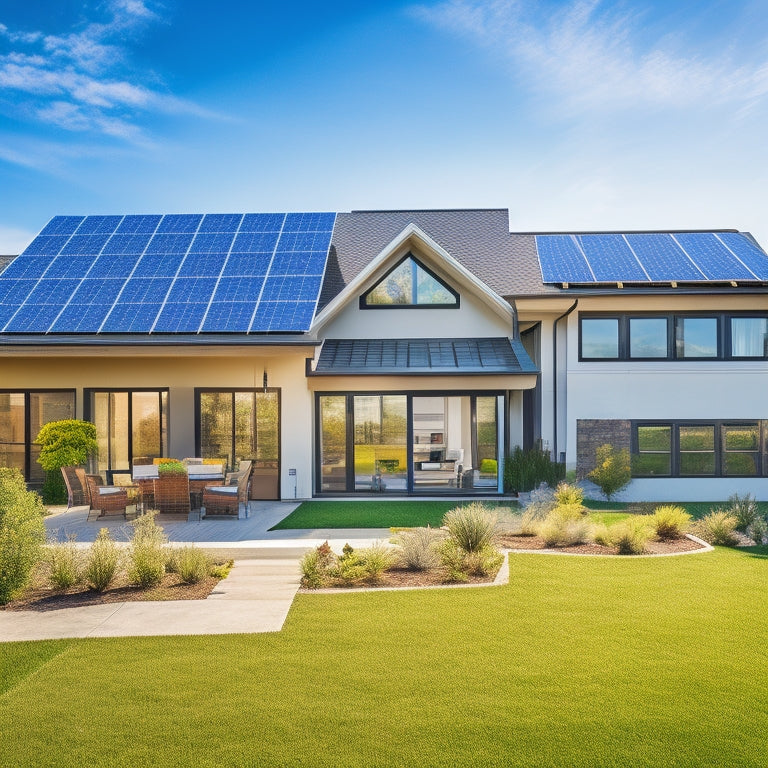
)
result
[(391, 352)]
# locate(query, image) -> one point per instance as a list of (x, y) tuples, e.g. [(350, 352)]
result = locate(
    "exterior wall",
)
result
[(592, 433), (666, 390), (182, 373)]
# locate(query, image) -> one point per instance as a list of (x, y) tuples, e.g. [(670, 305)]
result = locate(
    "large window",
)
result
[(410, 284), (22, 414), (697, 449), (130, 425), (723, 336)]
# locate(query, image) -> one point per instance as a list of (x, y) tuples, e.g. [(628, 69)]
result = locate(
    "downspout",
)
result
[(554, 376)]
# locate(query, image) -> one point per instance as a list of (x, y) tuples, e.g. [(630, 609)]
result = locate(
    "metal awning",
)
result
[(369, 357)]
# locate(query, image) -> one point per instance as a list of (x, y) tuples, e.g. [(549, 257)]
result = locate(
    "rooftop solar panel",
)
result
[(138, 225), (97, 225), (62, 225), (611, 258), (747, 252), (663, 258), (562, 260)]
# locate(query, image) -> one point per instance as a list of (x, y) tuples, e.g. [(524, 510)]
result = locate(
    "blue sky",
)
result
[(573, 114)]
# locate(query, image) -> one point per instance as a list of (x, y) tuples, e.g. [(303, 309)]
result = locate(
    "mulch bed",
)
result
[(651, 548), (41, 597)]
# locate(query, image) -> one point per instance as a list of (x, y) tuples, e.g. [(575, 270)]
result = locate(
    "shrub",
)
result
[(670, 522), (541, 504), (452, 556), (22, 533), (565, 493), (350, 567), (489, 466), (525, 470), (192, 564), (758, 530), (316, 565), (601, 534), (472, 527), (65, 561), (418, 548), (147, 552), (102, 562), (483, 562), (613, 470), (631, 535), (716, 528), (70, 442), (569, 512), (221, 570), (376, 559), (744, 509), (563, 531), (171, 467)]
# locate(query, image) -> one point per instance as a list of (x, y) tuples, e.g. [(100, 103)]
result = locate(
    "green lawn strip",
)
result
[(20, 660), (608, 517), (577, 662), (696, 509), (392, 513)]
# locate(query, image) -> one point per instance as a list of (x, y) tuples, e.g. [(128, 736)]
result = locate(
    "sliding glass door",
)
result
[(400, 443)]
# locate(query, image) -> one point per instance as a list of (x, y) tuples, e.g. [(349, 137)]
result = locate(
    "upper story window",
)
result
[(410, 284), (718, 336)]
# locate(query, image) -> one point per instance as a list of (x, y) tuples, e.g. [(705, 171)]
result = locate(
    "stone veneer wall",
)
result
[(592, 433)]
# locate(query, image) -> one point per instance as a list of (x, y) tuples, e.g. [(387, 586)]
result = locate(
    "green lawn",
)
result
[(578, 662), (391, 513)]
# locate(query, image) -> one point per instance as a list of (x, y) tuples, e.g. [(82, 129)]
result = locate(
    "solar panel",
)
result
[(655, 257), (179, 273)]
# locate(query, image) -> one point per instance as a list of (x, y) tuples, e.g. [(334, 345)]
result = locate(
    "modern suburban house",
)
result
[(391, 352)]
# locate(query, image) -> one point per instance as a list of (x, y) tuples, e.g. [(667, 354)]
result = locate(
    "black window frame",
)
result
[(724, 337), (719, 426), (456, 305)]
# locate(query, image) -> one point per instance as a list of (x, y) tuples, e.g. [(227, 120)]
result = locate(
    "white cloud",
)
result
[(14, 240), (591, 56)]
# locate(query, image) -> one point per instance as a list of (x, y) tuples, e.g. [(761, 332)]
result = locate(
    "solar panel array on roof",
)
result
[(183, 273), (651, 257)]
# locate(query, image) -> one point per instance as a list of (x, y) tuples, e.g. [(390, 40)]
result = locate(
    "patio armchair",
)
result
[(144, 476), (200, 476), (226, 499), (77, 486), (107, 499)]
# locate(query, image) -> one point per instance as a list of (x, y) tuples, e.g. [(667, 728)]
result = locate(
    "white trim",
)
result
[(463, 278)]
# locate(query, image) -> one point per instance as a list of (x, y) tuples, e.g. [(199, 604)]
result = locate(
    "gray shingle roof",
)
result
[(5, 261), (419, 356)]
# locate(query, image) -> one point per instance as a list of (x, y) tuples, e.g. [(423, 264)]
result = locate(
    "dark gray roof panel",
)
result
[(5, 261), (340, 357)]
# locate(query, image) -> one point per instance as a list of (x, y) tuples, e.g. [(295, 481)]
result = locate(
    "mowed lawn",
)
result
[(577, 662)]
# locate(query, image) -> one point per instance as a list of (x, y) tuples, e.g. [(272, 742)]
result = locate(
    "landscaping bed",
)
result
[(653, 547)]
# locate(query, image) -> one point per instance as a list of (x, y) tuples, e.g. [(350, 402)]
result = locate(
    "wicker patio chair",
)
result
[(172, 494), (144, 476), (107, 499), (200, 476), (226, 499), (77, 486)]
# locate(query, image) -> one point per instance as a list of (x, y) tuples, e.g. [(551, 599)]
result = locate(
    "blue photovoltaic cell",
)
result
[(145, 290), (6, 313), (561, 260), (97, 291), (611, 258), (132, 245), (195, 289), (138, 225), (747, 251), (262, 222), (309, 222), (158, 265), (712, 257), (228, 317), (97, 225), (14, 291), (48, 245), (255, 242), (111, 265), (81, 318), (298, 263), (66, 266), (212, 242), (31, 267), (247, 264), (169, 243), (131, 318), (289, 289), (180, 223), (279, 316), (62, 225), (663, 258), (35, 318), (84, 244), (182, 317), (239, 289), (202, 265), (52, 292), (221, 222)]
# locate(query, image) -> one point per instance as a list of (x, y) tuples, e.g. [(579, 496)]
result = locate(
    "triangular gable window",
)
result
[(410, 284)]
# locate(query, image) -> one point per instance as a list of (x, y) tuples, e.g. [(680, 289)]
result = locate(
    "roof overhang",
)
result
[(434, 255)]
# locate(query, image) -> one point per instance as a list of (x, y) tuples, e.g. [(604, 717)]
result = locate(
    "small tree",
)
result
[(66, 443), (22, 532), (613, 470)]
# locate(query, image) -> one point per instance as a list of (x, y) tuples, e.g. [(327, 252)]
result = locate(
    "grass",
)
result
[(696, 509), (578, 662), (392, 513)]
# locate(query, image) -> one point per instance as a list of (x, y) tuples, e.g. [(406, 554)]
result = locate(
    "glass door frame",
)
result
[(89, 415), (502, 437)]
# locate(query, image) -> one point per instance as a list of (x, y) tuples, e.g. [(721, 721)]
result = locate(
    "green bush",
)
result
[(191, 563), (613, 470), (489, 466), (22, 533), (147, 555), (453, 557), (758, 530), (65, 561), (631, 535), (716, 528), (316, 565), (670, 522), (601, 534), (102, 562), (70, 442), (565, 493), (483, 562), (536, 510), (417, 548), (221, 570), (526, 470), (376, 559), (171, 467), (744, 509), (472, 527), (560, 530)]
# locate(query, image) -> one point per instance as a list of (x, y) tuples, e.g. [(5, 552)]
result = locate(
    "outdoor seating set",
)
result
[(189, 485)]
